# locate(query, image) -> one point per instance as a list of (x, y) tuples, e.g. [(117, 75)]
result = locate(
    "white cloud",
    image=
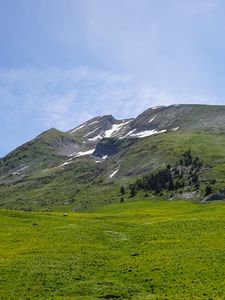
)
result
[(65, 98), (57, 111)]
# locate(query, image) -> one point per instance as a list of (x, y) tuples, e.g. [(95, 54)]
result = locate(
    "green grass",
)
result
[(168, 148), (181, 248)]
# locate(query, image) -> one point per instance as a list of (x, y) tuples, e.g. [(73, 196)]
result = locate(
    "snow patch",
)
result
[(114, 173), (128, 134), (98, 137), (20, 170), (74, 130), (62, 165), (152, 119), (65, 163), (155, 107), (91, 132), (92, 123), (115, 128), (147, 133), (176, 128), (89, 152), (105, 156)]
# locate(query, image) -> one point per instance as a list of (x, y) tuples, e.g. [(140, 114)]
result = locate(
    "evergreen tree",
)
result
[(187, 158), (170, 184), (122, 190), (208, 190), (132, 190)]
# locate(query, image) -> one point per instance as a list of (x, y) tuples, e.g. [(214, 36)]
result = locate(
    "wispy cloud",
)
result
[(34, 100), (137, 54), (65, 98)]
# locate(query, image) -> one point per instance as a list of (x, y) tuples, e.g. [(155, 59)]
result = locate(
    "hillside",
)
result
[(86, 166)]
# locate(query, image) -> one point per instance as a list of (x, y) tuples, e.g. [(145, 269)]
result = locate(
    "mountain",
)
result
[(46, 150), (87, 165), (100, 127), (182, 117), (154, 120)]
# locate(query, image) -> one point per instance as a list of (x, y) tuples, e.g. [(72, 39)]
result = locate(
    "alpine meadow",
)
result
[(112, 150), (127, 209)]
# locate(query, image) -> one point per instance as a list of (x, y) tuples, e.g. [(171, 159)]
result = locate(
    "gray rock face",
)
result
[(69, 148), (216, 196), (182, 117), (112, 146)]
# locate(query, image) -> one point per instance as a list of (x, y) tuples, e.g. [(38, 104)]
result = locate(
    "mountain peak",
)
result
[(128, 145)]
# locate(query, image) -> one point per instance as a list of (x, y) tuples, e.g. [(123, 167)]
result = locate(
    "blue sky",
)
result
[(63, 62)]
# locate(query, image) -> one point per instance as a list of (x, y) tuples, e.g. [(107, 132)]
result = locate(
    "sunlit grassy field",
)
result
[(181, 247)]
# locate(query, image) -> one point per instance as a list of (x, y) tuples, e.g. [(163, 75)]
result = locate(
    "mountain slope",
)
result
[(86, 166), (46, 150), (178, 117)]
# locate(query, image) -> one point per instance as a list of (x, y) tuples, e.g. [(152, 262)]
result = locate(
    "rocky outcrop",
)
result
[(111, 146), (215, 196)]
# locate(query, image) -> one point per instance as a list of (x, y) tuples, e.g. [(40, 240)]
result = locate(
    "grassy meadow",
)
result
[(181, 247)]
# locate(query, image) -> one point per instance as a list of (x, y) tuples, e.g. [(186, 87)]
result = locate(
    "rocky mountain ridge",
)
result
[(153, 121), (104, 135), (104, 152)]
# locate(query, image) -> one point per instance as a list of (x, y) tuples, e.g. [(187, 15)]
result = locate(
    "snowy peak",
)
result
[(104, 136), (118, 129), (155, 120), (98, 128), (180, 117)]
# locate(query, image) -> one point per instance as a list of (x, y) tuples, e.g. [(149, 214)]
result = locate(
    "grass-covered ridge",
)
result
[(88, 255), (85, 184)]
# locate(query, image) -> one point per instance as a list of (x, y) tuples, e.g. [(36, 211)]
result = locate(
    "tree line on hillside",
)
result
[(184, 174)]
